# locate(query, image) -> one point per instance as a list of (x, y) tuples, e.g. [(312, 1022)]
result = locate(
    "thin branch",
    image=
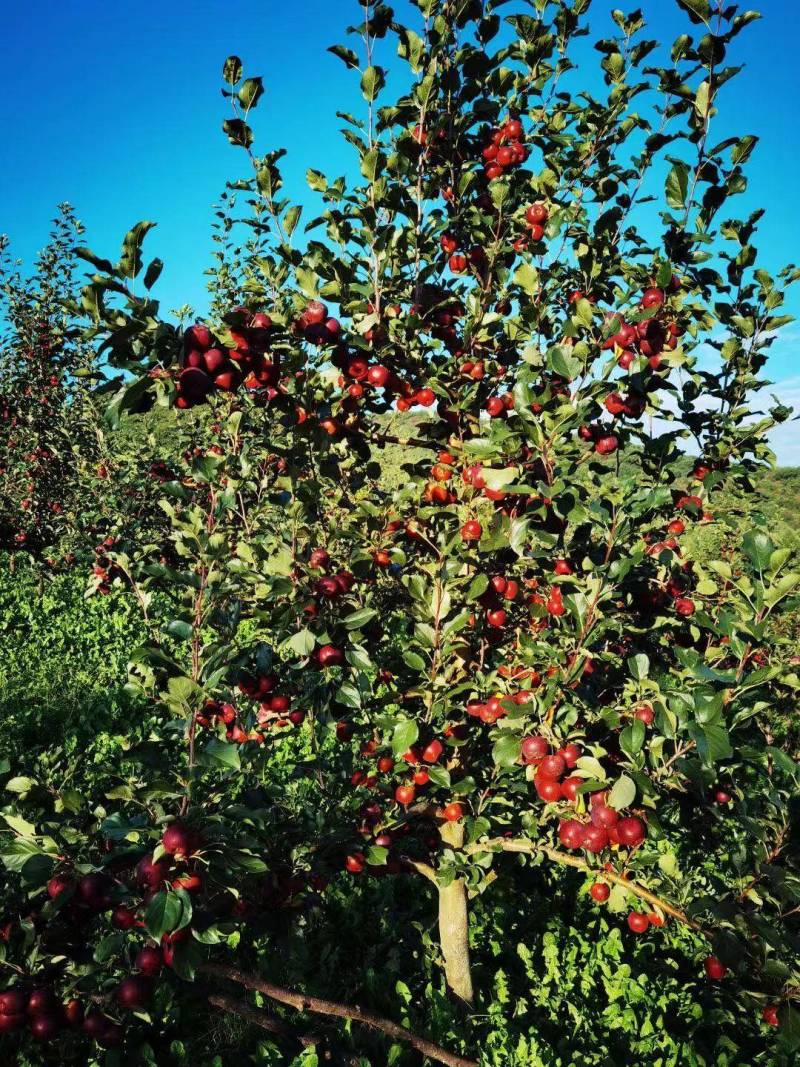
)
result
[(260, 1018), (501, 844), (304, 1002)]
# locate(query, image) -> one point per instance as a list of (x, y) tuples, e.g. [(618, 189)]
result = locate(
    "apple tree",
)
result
[(505, 656)]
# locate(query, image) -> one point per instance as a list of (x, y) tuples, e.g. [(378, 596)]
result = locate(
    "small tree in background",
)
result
[(47, 416)]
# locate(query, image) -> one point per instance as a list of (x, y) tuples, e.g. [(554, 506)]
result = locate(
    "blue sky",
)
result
[(116, 108)]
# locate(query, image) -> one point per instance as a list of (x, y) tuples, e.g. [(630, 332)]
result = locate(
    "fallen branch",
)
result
[(502, 844), (304, 1002)]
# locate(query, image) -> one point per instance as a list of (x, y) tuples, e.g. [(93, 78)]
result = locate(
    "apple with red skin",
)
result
[(458, 263), (197, 338), (638, 922), (329, 656), (569, 788), (600, 892), (453, 812), (685, 607), (631, 831), (644, 713), (536, 214), (9, 1024), (57, 885), (179, 841), (134, 992), (607, 444), (355, 863), (552, 766), (13, 1002), (123, 918), (45, 1027), (715, 969), (653, 298), (378, 375), (570, 753), (315, 313), (571, 833), (149, 960), (471, 530), (534, 748), (595, 838), (432, 751), (92, 890), (112, 1035), (404, 794), (73, 1012), (43, 1002), (770, 1015)]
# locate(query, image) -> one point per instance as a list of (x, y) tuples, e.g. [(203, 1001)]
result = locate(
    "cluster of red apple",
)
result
[(497, 406), (41, 1010), (104, 569), (605, 826), (459, 262), (496, 707), (604, 442), (381, 377), (500, 591), (536, 216), (504, 149), (638, 921), (651, 336), (45, 1016), (207, 364)]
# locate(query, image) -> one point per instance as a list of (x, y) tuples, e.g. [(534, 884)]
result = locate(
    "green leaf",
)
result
[(251, 92), (359, 618), (697, 10), (414, 660), (302, 643), (758, 548), (372, 81), (20, 784), (239, 133), (168, 911), (506, 750), (678, 186), (639, 666), (130, 262), (153, 272), (632, 738), (527, 278), (623, 793), (563, 363), (701, 101), (477, 587), (405, 735), (348, 695), (216, 753), (232, 70), (316, 180), (372, 163), (347, 55)]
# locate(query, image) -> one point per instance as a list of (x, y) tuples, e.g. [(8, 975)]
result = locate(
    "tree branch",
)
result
[(502, 844), (259, 1018), (304, 1002)]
